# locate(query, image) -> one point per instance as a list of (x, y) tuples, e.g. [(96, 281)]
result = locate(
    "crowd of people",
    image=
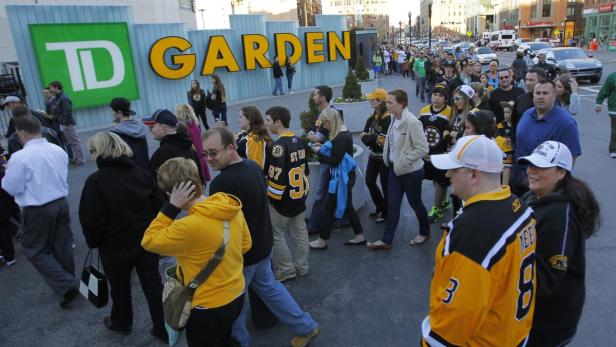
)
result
[(498, 148)]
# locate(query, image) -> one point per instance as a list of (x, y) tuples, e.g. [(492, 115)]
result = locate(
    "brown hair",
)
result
[(257, 124), (401, 97), (220, 87), (178, 170)]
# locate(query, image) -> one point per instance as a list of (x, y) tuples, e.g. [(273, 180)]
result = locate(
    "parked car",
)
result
[(485, 55), (533, 47), (575, 61), (518, 42)]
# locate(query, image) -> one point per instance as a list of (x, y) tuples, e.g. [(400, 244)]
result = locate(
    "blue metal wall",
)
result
[(156, 92)]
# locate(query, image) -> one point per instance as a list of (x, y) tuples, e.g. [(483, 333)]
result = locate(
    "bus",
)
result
[(502, 39)]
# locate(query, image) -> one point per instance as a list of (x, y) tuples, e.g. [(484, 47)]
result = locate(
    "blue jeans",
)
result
[(409, 184), (289, 81), (420, 87), (261, 279), (278, 86)]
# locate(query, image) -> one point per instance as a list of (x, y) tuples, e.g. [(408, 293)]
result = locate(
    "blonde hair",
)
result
[(178, 170), (108, 145), (185, 113), (333, 117)]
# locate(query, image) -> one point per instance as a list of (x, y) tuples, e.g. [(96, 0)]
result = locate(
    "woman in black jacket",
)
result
[(342, 143), (217, 99), (196, 99), (567, 213), (373, 137), (118, 202)]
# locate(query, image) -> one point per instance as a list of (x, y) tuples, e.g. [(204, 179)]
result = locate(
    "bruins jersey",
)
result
[(288, 175), (503, 140), (484, 282), (249, 146), (435, 124)]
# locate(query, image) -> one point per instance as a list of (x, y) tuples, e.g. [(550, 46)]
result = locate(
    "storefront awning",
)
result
[(538, 26)]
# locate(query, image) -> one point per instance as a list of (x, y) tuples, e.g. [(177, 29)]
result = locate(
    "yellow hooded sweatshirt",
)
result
[(194, 239)]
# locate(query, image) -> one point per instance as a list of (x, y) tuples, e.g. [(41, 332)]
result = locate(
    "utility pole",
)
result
[(202, 19), (430, 26)]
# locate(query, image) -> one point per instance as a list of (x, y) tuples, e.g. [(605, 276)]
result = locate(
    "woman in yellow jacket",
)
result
[(193, 240), (253, 142)]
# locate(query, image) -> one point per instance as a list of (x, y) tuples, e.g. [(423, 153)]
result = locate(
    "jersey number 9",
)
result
[(298, 182)]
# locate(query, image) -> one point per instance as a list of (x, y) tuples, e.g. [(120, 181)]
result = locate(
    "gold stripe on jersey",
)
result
[(445, 113)]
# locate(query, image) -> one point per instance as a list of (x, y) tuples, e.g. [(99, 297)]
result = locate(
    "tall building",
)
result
[(479, 16), (307, 10), (151, 11), (448, 18), (366, 14), (600, 21), (506, 14), (542, 18)]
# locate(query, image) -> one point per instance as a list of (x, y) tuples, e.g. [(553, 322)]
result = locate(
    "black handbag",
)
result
[(93, 285)]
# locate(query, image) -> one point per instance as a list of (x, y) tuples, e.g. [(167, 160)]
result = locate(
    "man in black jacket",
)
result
[(466, 75), (504, 93), (61, 107), (163, 126), (236, 174), (49, 134), (548, 68), (131, 131), (525, 101), (519, 67)]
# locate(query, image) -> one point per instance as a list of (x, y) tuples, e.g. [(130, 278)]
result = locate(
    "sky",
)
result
[(399, 9)]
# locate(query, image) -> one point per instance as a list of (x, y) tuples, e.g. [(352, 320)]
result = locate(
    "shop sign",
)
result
[(590, 11), (539, 24), (606, 8)]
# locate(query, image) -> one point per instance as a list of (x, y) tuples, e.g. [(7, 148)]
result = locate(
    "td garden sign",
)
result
[(99, 52)]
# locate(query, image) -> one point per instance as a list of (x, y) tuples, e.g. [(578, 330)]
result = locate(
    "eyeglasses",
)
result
[(213, 152), (457, 98)]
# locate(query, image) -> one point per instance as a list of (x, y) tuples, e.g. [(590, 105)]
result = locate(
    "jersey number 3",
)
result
[(298, 182), (451, 290), (526, 286)]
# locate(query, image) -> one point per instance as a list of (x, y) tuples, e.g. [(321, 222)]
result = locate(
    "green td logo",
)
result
[(93, 61)]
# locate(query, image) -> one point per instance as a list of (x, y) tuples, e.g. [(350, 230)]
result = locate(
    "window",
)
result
[(533, 9), (570, 11), (547, 8)]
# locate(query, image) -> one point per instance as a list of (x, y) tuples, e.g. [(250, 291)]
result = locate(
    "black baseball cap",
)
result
[(161, 116), (441, 89), (465, 62), (121, 105), (447, 63)]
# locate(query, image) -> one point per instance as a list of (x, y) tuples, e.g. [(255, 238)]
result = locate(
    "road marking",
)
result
[(593, 89)]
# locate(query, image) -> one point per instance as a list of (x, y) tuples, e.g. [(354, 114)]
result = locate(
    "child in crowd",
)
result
[(503, 139)]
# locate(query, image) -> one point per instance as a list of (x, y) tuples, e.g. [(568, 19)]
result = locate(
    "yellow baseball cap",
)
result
[(378, 94)]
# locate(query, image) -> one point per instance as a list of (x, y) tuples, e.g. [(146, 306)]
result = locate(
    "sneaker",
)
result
[(109, 325), (302, 341), (435, 214), (284, 277), (445, 205), (381, 220), (8, 263), (613, 155), (69, 297)]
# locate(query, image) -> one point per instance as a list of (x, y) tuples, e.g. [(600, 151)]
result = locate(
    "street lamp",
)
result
[(400, 29), (410, 26), (430, 26)]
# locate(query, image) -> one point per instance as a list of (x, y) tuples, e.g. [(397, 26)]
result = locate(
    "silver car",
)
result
[(532, 48), (574, 61), (485, 55)]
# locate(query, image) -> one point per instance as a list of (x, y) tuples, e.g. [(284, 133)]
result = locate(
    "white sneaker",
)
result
[(613, 155), (284, 277), (9, 263)]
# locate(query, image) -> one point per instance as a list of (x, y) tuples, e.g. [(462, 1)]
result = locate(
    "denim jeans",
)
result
[(289, 81), (260, 278), (421, 85), (409, 184), (278, 86)]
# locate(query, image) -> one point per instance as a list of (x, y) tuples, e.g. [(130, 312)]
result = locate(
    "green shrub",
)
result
[(352, 89), (360, 70), (309, 117)]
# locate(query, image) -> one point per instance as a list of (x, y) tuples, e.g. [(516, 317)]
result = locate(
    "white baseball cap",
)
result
[(474, 152), (550, 154), (468, 90), (10, 98)]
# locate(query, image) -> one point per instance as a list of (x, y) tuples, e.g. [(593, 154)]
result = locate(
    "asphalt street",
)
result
[(359, 297)]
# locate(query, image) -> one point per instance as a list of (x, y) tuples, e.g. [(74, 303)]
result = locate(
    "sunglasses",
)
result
[(457, 98)]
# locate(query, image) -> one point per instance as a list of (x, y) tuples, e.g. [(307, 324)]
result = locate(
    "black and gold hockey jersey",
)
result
[(249, 146), (435, 124), (288, 175), (484, 283), (503, 140)]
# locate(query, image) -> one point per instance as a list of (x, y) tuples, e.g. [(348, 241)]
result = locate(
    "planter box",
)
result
[(355, 114), (360, 192), (368, 86)]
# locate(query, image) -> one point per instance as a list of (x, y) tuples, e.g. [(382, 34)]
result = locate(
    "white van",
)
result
[(502, 39)]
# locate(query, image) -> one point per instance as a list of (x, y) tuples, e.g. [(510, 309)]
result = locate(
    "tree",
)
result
[(360, 70), (308, 118), (352, 89)]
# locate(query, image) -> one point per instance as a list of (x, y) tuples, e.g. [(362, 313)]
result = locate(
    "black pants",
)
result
[(212, 327), (6, 241), (376, 167), (329, 211), (201, 114), (119, 268)]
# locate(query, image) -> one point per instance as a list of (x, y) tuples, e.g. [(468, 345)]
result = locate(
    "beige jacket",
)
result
[(410, 147)]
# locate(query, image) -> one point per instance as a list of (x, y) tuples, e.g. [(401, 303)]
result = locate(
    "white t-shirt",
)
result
[(401, 56), (386, 56)]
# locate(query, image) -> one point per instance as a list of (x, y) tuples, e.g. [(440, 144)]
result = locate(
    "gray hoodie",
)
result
[(131, 128)]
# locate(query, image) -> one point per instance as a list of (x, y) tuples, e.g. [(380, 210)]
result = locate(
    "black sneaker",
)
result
[(162, 336), (69, 297)]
